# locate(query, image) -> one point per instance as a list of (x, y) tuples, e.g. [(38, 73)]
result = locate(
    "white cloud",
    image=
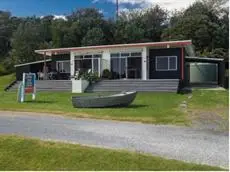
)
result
[(101, 11), (56, 17), (167, 4), (59, 17)]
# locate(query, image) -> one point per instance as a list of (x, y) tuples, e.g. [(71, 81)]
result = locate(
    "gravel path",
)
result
[(181, 143)]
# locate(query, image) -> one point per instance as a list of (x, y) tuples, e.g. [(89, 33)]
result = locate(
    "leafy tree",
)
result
[(46, 28), (202, 24), (72, 37), (25, 40), (140, 25), (87, 19), (154, 20), (94, 36), (57, 30), (5, 33)]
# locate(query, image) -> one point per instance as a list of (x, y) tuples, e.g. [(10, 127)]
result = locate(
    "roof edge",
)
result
[(204, 58), (180, 43), (35, 62)]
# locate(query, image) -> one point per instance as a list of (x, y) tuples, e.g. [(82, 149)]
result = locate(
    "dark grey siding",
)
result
[(33, 68), (20, 70), (61, 57), (153, 74)]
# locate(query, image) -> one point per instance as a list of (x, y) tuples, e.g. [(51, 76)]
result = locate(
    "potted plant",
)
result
[(79, 83), (82, 80)]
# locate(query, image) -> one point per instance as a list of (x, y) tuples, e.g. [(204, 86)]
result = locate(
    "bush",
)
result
[(2, 70), (91, 77), (6, 66), (106, 74)]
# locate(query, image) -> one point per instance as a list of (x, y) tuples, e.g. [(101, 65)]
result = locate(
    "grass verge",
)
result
[(150, 107), (18, 153)]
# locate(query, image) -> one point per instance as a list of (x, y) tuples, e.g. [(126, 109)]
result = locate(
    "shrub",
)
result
[(106, 74), (2, 70), (89, 76)]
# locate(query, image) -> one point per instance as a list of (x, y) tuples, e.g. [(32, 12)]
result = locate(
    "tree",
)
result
[(46, 28), (5, 33), (94, 36), (57, 30), (26, 39), (155, 20), (203, 25), (72, 37), (129, 27), (128, 33), (140, 25), (87, 19)]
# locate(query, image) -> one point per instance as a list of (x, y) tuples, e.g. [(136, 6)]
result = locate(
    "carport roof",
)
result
[(203, 59), (167, 44), (36, 62)]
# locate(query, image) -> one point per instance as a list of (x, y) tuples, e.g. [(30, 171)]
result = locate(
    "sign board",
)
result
[(27, 86)]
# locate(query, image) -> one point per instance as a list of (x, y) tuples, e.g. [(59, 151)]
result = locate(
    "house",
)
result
[(149, 66)]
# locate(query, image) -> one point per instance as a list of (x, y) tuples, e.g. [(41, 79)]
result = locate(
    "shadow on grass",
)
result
[(40, 101), (134, 106)]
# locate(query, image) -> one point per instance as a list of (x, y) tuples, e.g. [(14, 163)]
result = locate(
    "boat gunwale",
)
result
[(101, 97)]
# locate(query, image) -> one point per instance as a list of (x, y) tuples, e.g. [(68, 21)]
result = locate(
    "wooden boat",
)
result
[(116, 100)]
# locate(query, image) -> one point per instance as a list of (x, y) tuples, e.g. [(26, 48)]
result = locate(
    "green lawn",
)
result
[(158, 108), (5, 80), (17, 153)]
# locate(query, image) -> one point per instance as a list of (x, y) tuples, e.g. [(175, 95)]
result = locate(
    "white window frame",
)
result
[(128, 52), (168, 57), (61, 62), (92, 63)]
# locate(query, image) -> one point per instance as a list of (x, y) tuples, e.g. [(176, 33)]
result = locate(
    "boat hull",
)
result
[(116, 100)]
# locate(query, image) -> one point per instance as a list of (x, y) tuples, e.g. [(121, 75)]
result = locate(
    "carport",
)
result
[(32, 67), (204, 71)]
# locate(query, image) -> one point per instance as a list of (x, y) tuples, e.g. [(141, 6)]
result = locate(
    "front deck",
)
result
[(118, 85)]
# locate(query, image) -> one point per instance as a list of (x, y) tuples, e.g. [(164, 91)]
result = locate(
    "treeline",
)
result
[(205, 22)]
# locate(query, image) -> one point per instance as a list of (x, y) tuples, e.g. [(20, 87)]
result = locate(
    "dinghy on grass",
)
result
[(116, 100)]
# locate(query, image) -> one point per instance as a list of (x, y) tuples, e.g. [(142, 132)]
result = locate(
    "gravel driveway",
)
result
[(181, 143)]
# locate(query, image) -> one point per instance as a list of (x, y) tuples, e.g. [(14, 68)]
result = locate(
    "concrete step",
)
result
[(165, 85)]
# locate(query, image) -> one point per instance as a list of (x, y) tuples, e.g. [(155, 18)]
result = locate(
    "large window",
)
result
[(166, 63), (63, 66), (85, 62)]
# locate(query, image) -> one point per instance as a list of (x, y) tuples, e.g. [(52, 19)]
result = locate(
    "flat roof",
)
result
[(204, 59), (40, 61), (166, 44)]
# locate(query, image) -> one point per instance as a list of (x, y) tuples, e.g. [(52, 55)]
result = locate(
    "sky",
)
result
[(65, 7)]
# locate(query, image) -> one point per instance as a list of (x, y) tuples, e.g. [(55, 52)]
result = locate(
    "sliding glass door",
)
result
[(134, 67), (118, 68), (126, 65)]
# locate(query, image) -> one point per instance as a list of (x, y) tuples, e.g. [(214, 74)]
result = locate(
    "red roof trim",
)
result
[(151, 44)]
